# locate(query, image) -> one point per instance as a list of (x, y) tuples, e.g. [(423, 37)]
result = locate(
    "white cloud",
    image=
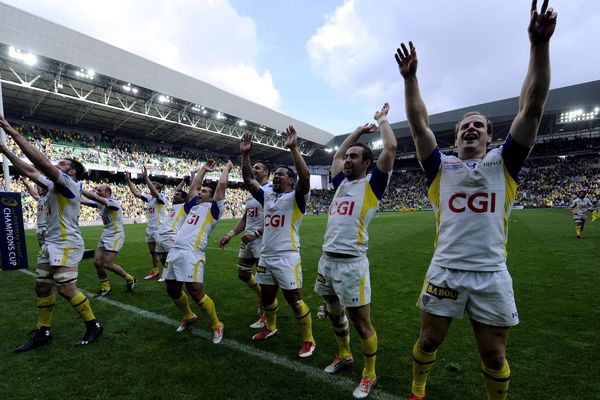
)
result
[(202, 39)]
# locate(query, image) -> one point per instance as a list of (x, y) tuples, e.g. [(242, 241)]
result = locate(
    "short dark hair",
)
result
[(490, 128), (367, 153), (78, 167), (268, 166), (291, 173), (183, 193)]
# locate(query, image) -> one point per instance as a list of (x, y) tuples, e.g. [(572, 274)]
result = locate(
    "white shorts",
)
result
[(250, 250), (487, 297), (165, 244), (112, 243), (284, 271), (346, 278), (152, 237), (60, 255), (185, 266)]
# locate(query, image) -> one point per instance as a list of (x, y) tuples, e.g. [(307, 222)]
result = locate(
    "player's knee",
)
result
[(44, 282), (337, 315), (97, 262), (428, 344), (493, 360), (65, 279)]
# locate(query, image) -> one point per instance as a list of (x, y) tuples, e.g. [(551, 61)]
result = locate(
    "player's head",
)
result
[(71, 167), (206, 194), (261, 170), (472, 135), (104, 191), (283, 179), (358, 160), (582, 194), (179, 196), (157, 185)]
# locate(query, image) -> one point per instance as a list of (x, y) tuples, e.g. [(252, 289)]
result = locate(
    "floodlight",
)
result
[(242, 122), (164, 99), (28, 58), (262, 129)]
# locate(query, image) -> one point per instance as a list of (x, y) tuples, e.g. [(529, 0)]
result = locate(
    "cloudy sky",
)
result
[(330, 62)]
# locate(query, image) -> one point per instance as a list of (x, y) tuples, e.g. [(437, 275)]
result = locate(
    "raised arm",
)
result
[(537, 81), (337, 164), (249, 180), (223, 181), (385, 162), (30, 189), (132, 187), (37, 158), (95, 197), (291, 142), (21, 166), (153, 191), (196, 184), (416, 112)]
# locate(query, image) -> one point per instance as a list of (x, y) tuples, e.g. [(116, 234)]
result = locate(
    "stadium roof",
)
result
[(569, 110), (82, 82)]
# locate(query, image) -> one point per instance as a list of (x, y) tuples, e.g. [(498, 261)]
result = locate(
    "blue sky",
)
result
[(330, 62)]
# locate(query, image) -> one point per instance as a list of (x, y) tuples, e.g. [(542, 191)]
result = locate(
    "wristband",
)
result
[(382, 119), (257, 234), (230, 234)]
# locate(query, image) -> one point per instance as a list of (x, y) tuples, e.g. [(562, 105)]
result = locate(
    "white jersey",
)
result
[(353, 207), (173, 220), (472, 200), (200, 222), (41, 212), (62, 210), (283, 214), (581, 206), (112, 216), (254, 212), (155, 211)]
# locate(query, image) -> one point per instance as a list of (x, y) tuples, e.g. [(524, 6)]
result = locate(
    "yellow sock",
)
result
[(343, 346), (304, 320), (578, 230), (208, 306), (496, 382), (271, 314), (369, 350), (184, 306), (255, 287), (105, 284), (81, 304), (129, 278), (45, 306), (422, 364)]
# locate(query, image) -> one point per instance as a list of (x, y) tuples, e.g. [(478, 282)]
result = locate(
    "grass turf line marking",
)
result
[(295, 366)]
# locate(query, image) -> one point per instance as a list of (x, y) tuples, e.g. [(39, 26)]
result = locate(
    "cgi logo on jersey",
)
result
[(341, 208), (479, 202), (275, 220)]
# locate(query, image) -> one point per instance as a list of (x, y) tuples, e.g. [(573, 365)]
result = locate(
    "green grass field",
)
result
[(553, 353)]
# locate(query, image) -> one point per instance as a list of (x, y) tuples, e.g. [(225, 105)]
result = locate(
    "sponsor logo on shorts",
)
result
[(441, 292), (261, 270), (425, 299), (321, 279)]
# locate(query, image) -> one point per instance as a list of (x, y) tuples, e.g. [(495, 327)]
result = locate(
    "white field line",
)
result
[(295, 366)]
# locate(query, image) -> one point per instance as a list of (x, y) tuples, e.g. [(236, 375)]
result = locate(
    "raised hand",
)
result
[(292, 138), (407, 60), (246, 143), (209, 165), (367, 128), (127, 176), (383, 113), (144, 172), (541, 26), (7, 127), (228, 166)]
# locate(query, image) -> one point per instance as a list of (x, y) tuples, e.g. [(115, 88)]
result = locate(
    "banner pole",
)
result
[(3, 139)]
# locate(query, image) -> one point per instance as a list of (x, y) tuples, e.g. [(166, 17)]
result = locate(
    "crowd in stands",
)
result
[(545, 181)]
